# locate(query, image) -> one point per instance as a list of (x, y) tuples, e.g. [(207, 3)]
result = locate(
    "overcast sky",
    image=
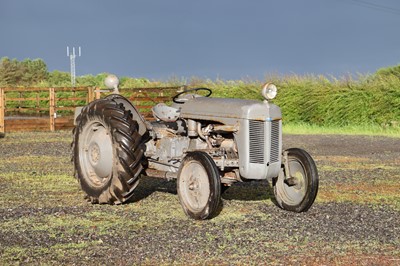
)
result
[(225, 39)]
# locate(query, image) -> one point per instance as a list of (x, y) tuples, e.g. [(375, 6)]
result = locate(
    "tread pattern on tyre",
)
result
[(127, 146)]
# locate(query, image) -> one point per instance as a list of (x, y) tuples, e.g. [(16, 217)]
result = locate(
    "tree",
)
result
[(35, 71), (26, 73), (59, 79), (10, 72)]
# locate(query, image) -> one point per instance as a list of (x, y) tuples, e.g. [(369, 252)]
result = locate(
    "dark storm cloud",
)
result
[(227, 39)]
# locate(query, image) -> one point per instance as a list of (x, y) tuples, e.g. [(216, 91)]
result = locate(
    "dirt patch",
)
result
[(44, 218)]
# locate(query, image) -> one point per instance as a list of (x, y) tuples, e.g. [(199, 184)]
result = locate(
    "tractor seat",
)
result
[(165, 113)]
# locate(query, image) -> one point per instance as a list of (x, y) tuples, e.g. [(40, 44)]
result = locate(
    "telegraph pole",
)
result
[(72, 61)]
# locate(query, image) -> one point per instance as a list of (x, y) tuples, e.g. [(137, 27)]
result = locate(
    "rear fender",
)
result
[(135, 113), (128, 106)]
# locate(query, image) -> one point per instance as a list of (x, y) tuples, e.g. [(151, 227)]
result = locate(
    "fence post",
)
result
[(97, 90), (52, 112), (90, 96), (2, 111), (37, 103)]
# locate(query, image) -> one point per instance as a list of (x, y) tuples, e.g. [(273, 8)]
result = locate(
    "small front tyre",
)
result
[(199, 186), (298, 192)]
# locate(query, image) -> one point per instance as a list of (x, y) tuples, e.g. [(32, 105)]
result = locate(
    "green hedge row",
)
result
[(369, 100), (340, 103), (317, 100)]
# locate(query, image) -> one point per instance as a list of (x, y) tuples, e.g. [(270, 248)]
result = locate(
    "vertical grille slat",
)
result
[(257, 142), (275, 133)]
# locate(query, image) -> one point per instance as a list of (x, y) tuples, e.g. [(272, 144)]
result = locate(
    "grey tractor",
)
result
[(206, 144)]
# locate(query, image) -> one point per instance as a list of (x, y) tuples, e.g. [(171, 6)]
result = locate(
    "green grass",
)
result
[(44, 218), (367, 130), (37, 137), (20, 188)]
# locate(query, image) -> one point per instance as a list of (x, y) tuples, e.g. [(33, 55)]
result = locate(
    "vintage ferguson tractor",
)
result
[(207, 144)]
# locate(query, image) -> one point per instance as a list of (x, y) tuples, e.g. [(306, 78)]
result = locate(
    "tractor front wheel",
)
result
[(296, 191), (199, 186)]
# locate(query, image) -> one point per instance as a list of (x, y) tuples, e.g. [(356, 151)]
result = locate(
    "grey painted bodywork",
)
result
[(229, 111), (239, 112), (255, 125)]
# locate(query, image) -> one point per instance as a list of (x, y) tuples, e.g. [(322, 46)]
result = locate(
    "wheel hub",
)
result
[(95, 153), (194, 181), (299, 183), (97, 156), (293, 189), (296, 181), (194, 185)]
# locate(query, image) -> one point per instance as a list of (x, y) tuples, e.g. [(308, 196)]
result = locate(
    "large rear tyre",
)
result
[(199, 186), (298, 193), (107, 152)]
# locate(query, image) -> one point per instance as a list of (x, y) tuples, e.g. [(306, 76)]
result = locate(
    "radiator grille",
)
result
[(257, 143), (275, 133)]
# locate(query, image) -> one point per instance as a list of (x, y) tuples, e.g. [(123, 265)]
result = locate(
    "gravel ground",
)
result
[(355, 220)]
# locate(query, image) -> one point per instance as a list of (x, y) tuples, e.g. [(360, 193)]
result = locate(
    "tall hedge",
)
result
[(367, 100)]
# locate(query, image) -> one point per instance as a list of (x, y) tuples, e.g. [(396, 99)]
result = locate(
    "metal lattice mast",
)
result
[(72, 57)]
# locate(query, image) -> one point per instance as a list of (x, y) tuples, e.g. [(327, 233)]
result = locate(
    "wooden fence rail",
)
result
[(43, 109)]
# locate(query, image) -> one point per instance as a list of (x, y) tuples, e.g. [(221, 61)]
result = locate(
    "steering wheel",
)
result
[(176, 99)]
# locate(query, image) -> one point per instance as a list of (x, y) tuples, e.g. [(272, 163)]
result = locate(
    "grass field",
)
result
[(356, 130), (45, 220)]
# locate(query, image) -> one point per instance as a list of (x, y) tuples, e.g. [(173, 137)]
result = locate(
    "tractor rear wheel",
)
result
[(107, 152)]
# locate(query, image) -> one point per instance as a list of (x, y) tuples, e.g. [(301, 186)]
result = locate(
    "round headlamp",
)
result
[(269, 91), (111, 82)]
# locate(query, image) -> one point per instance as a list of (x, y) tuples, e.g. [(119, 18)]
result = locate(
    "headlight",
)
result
[(111, 82), (269, 91)]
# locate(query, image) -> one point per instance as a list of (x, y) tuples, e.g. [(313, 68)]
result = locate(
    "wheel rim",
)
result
[(294, 195), (194, 186), (96, 152)]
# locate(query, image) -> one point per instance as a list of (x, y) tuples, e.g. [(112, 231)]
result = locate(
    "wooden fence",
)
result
[(49, 109)]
